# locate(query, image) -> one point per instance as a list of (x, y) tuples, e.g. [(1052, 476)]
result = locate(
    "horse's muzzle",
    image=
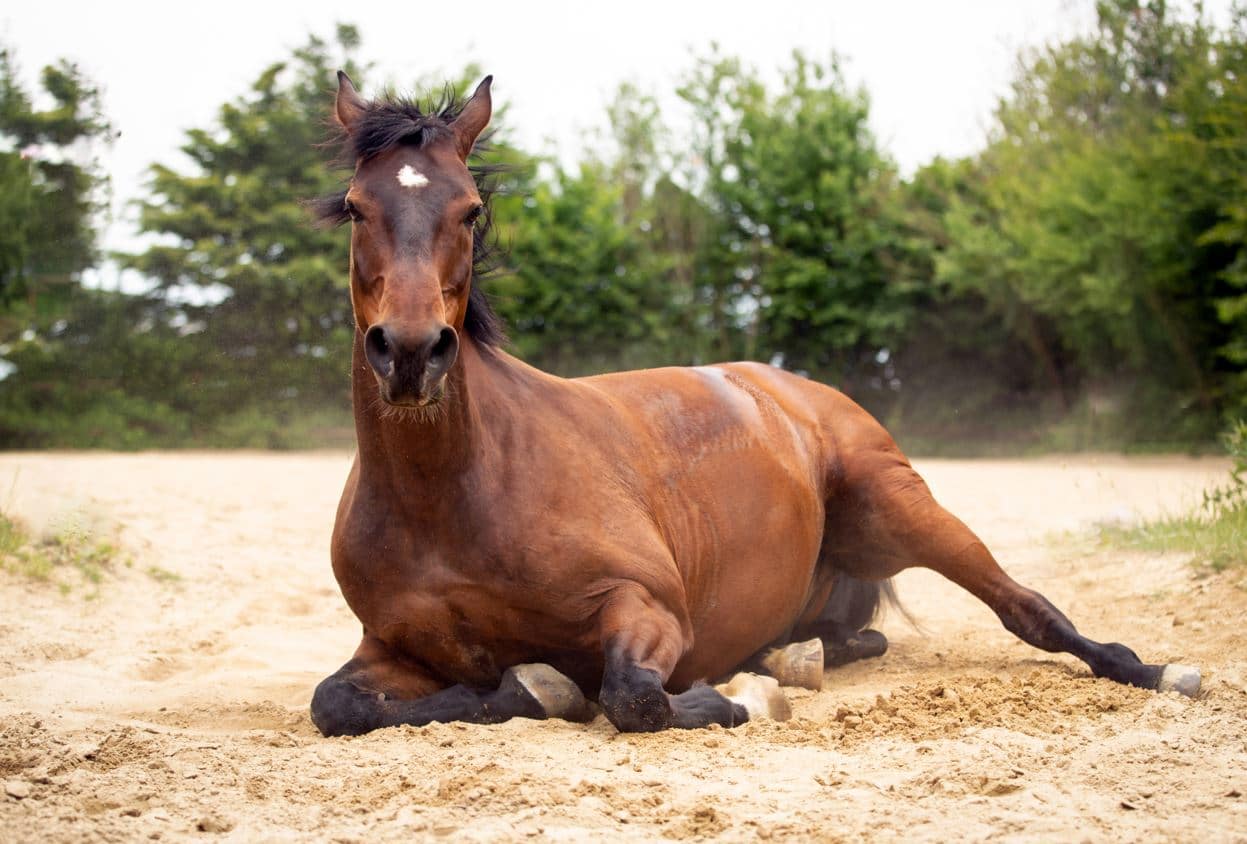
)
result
[(411, 368)]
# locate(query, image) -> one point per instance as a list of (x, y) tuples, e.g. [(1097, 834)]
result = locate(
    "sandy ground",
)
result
[(177, 709)]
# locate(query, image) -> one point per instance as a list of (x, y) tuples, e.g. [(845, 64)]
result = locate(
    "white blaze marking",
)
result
[(409, 178)]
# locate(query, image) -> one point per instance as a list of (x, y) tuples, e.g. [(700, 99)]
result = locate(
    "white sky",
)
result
[(933, 69)]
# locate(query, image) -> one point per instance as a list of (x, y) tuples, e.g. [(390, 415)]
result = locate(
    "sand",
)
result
[(170, 702)]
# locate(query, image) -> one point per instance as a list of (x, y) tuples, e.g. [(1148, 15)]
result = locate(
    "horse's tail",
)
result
[(856, 603)]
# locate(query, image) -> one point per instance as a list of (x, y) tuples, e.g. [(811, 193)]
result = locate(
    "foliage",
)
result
[(50, 191), (1219, 543), (258, 292), (1080, 282), (1224, 500), (960, 372), (1104, 232), (1216, 534), (805, 201), (575, 294)]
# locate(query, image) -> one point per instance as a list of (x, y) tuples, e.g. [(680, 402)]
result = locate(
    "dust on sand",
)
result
[(174, 707)]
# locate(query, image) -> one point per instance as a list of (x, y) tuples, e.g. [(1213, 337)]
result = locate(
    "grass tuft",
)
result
[(163, 575), (1219, 542), (71, 555), (1215, 534)]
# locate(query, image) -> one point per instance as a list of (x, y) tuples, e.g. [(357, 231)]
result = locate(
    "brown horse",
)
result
[(509, 538)]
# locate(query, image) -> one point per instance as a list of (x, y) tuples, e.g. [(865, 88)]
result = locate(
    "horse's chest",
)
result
[(465, 634), (455, 612)]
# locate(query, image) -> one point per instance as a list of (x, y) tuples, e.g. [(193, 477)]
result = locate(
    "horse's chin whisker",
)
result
[(426, 414)]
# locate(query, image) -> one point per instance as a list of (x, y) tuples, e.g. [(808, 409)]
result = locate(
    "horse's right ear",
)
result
[(350, 106)]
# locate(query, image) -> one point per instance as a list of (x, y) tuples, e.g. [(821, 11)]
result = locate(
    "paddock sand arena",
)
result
[(177, 709)]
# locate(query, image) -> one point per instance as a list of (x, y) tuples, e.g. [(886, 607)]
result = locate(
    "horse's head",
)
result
[(413, 207)]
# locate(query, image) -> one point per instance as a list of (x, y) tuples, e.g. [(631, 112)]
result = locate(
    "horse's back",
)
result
[(794, 418)]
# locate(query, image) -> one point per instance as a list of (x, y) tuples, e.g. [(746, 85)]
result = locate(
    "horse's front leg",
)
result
[(642, 642), (378, 688)]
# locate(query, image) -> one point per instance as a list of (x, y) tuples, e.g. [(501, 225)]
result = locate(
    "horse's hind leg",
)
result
[(379, 689), (842, 624), (838, 636), (899, 524)]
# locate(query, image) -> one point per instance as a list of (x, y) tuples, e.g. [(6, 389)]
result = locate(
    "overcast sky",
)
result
[(933, 69)]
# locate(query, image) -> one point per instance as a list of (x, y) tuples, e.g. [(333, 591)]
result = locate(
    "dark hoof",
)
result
[(555, 694), (865, 644), (702, 706)]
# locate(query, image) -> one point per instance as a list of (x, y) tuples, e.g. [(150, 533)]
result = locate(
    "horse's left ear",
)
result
[(473, 119)]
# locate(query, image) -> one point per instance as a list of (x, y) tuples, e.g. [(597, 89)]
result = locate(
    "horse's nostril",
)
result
[(379, 350), (446, 343)]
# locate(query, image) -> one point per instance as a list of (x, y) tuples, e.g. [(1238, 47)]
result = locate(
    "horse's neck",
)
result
[(436, 443)]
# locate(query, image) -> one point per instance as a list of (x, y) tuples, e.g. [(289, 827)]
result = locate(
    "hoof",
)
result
[(1183, 679), (761, 696), (558, 696), (865, 644), (799, 664)]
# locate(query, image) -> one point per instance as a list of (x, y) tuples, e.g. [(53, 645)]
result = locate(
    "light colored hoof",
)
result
[(799, 664), (557, 694), (1183, 679), (761, 696)]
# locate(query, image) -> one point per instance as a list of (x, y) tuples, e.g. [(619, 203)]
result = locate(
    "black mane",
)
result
[(394, 121)]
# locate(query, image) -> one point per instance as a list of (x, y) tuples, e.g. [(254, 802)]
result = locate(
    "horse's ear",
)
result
[(350, 106), (473, 119)]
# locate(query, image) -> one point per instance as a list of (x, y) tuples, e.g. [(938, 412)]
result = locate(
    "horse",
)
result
[(517, 544)]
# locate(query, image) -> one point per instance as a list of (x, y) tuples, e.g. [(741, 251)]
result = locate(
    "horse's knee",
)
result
[(340, 708)]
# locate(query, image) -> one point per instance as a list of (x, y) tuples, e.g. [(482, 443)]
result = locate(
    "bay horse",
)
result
[(513, 542)]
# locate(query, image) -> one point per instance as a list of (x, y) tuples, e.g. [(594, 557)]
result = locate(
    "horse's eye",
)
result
[(473, 215), (352, 211)]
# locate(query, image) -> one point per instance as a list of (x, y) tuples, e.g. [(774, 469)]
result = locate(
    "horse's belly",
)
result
[(751, 568)]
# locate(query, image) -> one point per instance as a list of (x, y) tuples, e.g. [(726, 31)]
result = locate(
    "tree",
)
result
[(575, 291), (809, 244), (50, 190), (242, 272), (591, 280), (1104, 215)]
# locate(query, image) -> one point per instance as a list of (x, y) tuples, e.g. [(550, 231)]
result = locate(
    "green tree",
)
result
[(575, 291), (594, 277), (965, 374), (246, 278), (1105, 231), (50, 190), (811, 261)]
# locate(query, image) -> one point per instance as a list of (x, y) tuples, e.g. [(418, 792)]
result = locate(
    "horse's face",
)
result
[(412, 212)]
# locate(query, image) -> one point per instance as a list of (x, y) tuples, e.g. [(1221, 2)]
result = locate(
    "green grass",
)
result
[(163, 575), (1215, 533), (70, 556), (1219, 541), (12, 537)]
